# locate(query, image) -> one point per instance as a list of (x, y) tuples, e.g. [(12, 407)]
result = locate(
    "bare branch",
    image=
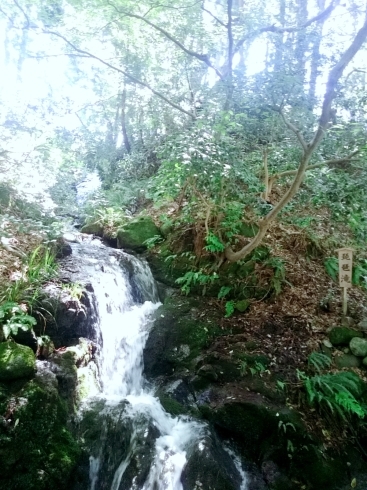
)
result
[(333, 80), (322, 16), (280, 30), (214, 17), (295, 130), (202, 57), (115, 68), (7, 16), (326, 163), (24, 13), (355, 70)]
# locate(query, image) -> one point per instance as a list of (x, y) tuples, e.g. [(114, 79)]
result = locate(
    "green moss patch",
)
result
[(136, 232), (16, 361), (36, 449)]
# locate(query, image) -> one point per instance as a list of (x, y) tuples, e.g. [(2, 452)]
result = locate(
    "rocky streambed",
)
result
[(212, 414)]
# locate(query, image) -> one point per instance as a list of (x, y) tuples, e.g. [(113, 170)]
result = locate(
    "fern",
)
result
[(318, 361), (195, 277), (338, 392), (279, 273), (332, 267)]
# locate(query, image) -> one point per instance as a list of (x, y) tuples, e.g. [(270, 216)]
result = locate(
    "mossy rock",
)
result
[(37, 451), (343, 335), (250, 417), (16, 361), (347, 361), (93, 229), (171, 405), (133, 235), (178, 336), (358, 346)]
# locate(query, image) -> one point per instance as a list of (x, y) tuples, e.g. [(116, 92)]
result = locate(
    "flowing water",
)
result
[(126, 297)]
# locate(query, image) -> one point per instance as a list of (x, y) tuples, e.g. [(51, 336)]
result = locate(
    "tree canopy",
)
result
[(221, 106)]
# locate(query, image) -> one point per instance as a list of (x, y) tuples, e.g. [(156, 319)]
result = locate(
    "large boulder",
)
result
[(93, 229), (210, 467), (110, 438), (69, 317), (16, 361), (37, 452), (133, 235), (178, 336)]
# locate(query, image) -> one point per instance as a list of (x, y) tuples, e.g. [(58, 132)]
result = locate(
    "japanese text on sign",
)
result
[(345, 267)]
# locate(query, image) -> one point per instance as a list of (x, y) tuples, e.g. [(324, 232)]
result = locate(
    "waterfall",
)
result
[(126, 297)]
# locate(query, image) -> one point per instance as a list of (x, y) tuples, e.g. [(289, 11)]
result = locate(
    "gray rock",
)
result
[(363, 325), (347, 361), (358, 347), (209, 372), (347, 321), (209, 467)]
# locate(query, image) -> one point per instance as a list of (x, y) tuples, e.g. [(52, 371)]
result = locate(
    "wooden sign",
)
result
[(345, 272)]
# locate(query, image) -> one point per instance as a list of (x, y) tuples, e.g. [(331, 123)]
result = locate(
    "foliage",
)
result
[(38, 267), (152, 242), (108, 217), (340, 393), (257, 368), (318, 361), (192, 278), (214, 244), (74, 289), (14, 317), (229, 308), (332, 267), (278, 277)]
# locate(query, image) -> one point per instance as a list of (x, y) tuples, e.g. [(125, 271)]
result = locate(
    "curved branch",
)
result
[(334, 76), (326, 163), (115, 68), (333, 80), (322, 16), (295, 130), (214, 17), (201, 57)]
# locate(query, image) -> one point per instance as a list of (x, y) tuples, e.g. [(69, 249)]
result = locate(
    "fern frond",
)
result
[(319, 361)]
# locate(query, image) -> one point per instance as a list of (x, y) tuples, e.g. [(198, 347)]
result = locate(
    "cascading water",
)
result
[(126, 297)]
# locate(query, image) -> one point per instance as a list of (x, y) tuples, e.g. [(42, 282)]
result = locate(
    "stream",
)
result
[(155, 447)]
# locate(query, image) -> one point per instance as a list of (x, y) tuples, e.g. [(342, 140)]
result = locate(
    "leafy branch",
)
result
[(308, 148)]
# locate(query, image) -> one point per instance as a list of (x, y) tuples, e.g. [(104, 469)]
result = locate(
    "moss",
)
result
[(93, 229), (178, 336), (38, 452), (16, 361), (136, 232), (343, 335), (171, 406)]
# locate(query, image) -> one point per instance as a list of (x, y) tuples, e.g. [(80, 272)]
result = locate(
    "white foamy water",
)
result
[(126, 299)]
